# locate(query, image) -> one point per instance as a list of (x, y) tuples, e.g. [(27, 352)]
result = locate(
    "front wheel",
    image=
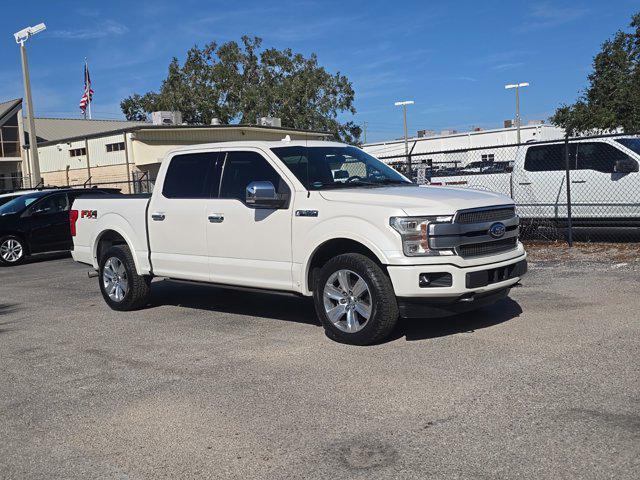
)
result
[(121, 286), (12, 250), (355, 300)]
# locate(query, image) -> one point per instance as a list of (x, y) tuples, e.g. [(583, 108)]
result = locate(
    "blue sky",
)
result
[(452, 58)]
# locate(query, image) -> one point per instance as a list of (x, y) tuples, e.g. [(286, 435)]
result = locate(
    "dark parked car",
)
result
[(38, 222)]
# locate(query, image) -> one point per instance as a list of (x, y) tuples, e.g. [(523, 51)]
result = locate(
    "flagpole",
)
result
[(86, 65)]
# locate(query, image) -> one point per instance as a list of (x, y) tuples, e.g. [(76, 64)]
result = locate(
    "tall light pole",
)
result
[(406, 140), (21, 37), (517, 87)]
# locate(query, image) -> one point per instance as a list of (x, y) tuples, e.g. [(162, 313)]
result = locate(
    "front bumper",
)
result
[(477, 280)]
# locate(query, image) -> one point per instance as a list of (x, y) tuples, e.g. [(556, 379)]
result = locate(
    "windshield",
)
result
[(630, 143), (19, 204), (337, 167)]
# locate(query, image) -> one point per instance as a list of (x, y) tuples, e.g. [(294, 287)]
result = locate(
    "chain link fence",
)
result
[(582, 188)]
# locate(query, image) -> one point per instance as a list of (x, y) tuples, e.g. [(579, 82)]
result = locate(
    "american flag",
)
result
[(87, 95)]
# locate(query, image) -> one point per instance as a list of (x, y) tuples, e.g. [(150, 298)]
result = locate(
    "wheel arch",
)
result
[(333, 247), (108, 238), (22, 236)]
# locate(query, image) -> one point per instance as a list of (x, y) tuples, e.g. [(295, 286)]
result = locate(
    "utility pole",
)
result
[(517, 87), (404, 104), (364, 130), (21, 37)]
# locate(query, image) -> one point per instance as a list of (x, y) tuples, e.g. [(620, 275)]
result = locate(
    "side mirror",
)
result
[(264, 195), (626, 165)]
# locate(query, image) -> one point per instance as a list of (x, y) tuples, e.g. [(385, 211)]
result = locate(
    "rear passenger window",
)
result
[(242, 168), (599, 156), (194, 175), (52, 204), (549, 158)]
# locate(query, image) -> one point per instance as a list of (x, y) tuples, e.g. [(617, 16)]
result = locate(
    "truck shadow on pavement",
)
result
[(422, 329), (301, 310), (239, 302)]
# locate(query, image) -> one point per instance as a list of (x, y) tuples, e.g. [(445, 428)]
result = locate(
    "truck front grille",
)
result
[(471, 235), (485, 215), (487, 248)]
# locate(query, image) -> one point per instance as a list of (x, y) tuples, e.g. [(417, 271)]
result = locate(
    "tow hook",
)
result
[(92, 273)]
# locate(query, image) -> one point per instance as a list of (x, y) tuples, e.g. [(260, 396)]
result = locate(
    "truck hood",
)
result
[(418, 200)]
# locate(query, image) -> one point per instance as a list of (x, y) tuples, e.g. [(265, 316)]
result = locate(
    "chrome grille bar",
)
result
[(469, 234)]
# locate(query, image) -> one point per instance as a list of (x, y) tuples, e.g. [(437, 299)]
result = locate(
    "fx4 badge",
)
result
[(88, 214)]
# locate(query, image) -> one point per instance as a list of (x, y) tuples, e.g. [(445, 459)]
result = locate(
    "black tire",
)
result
[(383, 304), (8, 245), (138, 287)]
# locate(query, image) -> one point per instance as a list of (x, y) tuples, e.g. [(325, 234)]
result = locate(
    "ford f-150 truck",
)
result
[(320, 219)]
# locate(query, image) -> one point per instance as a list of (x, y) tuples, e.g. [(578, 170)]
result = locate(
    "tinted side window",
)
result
[(52, 204), (599, 156), (193, 175), (242, 168), (548, 158)]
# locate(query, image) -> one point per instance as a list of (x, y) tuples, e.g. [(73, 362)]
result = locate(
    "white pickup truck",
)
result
[(319, 219), (604, 182)]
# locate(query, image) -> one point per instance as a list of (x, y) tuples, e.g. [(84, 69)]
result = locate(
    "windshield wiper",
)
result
[(354, 183), (393, 181)]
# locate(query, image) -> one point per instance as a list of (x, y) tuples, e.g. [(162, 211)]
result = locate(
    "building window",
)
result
[(77, 152), (115, 147), (488, 157), (9, 144)]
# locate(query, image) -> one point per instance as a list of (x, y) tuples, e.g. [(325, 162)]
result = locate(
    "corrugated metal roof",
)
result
[(7, 107), (148, 127), (52, 129)]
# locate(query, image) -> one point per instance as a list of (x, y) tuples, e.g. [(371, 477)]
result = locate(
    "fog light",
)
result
[(435, 279)]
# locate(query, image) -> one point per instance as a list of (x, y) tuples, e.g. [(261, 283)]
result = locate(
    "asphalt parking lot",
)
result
[(217, 384)]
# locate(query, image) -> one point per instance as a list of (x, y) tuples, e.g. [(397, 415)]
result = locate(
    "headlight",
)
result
[(414, 232)]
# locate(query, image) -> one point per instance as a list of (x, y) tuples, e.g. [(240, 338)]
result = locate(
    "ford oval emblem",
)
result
[(497, 230)]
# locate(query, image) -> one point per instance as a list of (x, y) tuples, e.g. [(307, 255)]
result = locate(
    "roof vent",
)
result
[(269, 122), (166, 118)]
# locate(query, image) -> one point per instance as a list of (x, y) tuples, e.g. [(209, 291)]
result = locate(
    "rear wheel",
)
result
[(355, 300), (121, 286), (12, 250)]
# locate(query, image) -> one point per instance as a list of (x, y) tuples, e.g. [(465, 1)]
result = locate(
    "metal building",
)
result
[(432, 145)]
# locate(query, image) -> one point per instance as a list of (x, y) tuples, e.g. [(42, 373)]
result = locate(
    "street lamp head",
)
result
[(406, 102), (516, 85), (24, 34)]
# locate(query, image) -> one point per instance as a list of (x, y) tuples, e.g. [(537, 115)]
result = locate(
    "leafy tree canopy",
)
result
[(612, 99), (241, 82)]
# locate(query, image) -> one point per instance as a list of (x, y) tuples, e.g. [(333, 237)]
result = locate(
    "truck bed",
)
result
[(122, 214)]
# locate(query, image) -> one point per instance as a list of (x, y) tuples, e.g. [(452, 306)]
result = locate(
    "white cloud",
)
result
[(548, 15), (507, 66), (107, 28)]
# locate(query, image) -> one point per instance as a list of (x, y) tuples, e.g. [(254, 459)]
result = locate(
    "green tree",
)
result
[(241, 82), (612, 99)]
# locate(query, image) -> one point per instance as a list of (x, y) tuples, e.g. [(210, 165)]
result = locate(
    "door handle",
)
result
[(158, 217), (578, 181), (216, 218), (524, 183)]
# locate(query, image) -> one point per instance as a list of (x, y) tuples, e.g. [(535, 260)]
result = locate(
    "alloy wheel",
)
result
[(11, 250), (347, 301), (114, 279)]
